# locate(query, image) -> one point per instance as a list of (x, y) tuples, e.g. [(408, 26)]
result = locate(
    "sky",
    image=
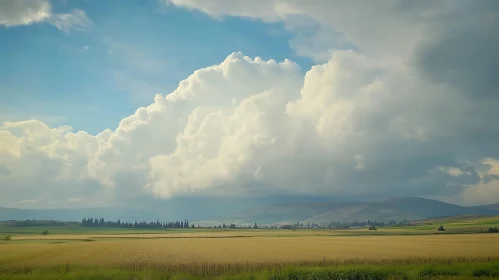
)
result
[(128, 102)]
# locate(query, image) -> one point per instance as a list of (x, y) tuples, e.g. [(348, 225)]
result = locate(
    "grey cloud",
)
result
[(4, 171), (460, 50), (490, 177)]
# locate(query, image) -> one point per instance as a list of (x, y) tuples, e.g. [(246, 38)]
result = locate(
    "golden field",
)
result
[(214, 234), (229, 248)]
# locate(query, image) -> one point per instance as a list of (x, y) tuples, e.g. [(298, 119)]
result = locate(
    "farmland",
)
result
[(75, 252)]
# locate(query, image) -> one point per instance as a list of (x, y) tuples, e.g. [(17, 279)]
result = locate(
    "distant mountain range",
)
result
[(411, 208)]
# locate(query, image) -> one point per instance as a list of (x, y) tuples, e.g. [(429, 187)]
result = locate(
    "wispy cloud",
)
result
[(76, 20), (26, 201), (141, 70)]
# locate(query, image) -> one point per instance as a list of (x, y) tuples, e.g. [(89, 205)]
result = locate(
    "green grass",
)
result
[(391, 272), (457, 224), (453, 271), (77, 229)]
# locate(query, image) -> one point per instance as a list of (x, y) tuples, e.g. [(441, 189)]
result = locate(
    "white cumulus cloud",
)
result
[(250, 127), (26, 12)]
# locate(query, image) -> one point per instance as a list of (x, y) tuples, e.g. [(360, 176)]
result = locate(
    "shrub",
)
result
[(6, 238), (372, 228), (430, 272), (441, 228), (493, 230), (45, 232), (480, 272), (329, 274)]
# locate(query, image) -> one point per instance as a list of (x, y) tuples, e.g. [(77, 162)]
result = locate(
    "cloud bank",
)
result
[(411, 110)]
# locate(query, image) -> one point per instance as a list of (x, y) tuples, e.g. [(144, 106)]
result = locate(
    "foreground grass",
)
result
[(397, 269)]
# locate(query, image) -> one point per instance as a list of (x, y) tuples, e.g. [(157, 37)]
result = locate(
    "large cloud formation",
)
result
[(396, 117)]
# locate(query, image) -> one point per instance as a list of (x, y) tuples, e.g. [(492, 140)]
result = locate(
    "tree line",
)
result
[(345, 225), (100, 222)]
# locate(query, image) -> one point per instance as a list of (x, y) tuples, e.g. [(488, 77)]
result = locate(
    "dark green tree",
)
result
[(493, 230)]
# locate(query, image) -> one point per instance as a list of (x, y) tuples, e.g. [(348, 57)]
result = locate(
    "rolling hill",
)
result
[(411, 208)]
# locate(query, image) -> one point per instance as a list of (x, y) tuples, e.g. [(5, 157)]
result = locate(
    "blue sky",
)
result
[(131, 51)]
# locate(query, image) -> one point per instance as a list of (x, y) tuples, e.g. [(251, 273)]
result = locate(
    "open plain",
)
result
[(212, 253)]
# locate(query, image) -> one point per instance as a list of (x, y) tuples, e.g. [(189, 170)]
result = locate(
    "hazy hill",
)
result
[(264, 211), (492, 206), (180, 208), (416, 208), (75, 214), (294, 211), (411, 208)]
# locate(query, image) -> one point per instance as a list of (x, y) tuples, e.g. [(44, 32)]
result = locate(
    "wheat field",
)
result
[(161, 251), (249, 255)]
